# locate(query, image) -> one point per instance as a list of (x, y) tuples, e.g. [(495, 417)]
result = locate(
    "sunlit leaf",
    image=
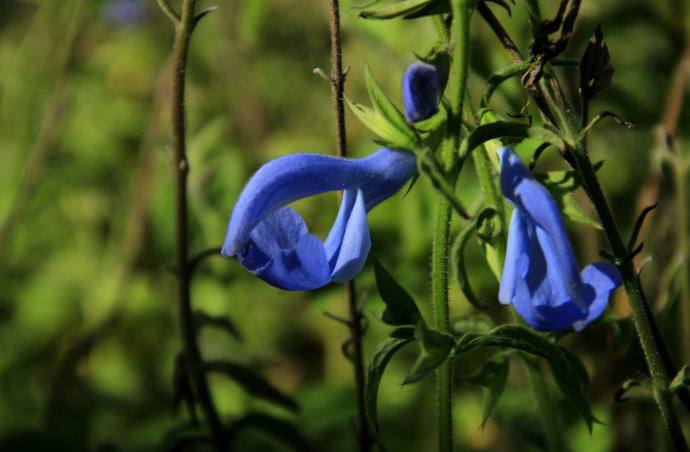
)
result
[(681, 380)]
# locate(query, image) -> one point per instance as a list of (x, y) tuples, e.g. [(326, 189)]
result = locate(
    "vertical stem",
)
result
[(645, 325), (364, 439), (439, 272), (180, 166)]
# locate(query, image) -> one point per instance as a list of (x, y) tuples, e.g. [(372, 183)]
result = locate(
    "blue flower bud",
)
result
[(420, 91)]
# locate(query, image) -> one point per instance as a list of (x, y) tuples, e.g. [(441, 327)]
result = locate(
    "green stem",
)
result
[(460, 62), (180, 166), (444, 377), (642, 317)]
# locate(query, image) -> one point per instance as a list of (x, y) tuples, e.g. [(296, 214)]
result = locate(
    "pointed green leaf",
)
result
[(397, 9), (400, 307), (253, 383), (380, 126), (574, 383), (278, 429), (436, 347), (681, 380), (489, 232), (492, 376), (383, 352), (517, 337), (478, 323), (458, 264), (387, 110)]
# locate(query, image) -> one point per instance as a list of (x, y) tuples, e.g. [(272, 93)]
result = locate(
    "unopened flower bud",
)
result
[(420, 91), (595, 70)]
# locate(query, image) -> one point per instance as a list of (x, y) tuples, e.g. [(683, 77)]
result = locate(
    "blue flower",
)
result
[(272, 240), (540, 275), (420, 91)]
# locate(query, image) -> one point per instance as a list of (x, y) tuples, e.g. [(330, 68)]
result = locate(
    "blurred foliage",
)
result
[(88, 329)]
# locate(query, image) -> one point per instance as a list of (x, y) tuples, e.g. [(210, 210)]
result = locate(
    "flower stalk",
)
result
[(641, 314), (354, 323), (458, 87), (184, 26)]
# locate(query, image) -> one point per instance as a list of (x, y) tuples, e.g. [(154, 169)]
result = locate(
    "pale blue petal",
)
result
[(514, 268), (355, 243)]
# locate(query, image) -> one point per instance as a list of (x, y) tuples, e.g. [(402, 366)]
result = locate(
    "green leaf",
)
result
[(574, 383), (400, 307), (517, 337), (387, 109), (278, 429), (478, 323), (251, 382), (561, 185), (489, 232), (380, 126), (458, 264), (436, 347), (492, 376), (397, 9), (383, 352), (681, 380), (508, 129)]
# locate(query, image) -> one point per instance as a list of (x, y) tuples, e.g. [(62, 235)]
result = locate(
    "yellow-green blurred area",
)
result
[(88, 312)]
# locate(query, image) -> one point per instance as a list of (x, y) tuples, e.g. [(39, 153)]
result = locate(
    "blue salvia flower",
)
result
[(540, 275), (272, 240), (420, 91)]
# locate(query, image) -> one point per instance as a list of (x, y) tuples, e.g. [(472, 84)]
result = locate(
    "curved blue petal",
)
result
[(292, 177), (420, 91), (283, 253), (354, 243), (602, 279)]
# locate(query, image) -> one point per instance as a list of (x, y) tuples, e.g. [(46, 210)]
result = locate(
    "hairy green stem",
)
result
[(180, 166), (645, 325), (458, 87)]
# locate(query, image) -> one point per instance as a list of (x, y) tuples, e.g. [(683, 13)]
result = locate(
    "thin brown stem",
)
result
[(180, 166), (337, 80)]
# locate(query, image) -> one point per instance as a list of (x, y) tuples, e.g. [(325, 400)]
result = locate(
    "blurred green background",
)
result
[(88, 328)]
